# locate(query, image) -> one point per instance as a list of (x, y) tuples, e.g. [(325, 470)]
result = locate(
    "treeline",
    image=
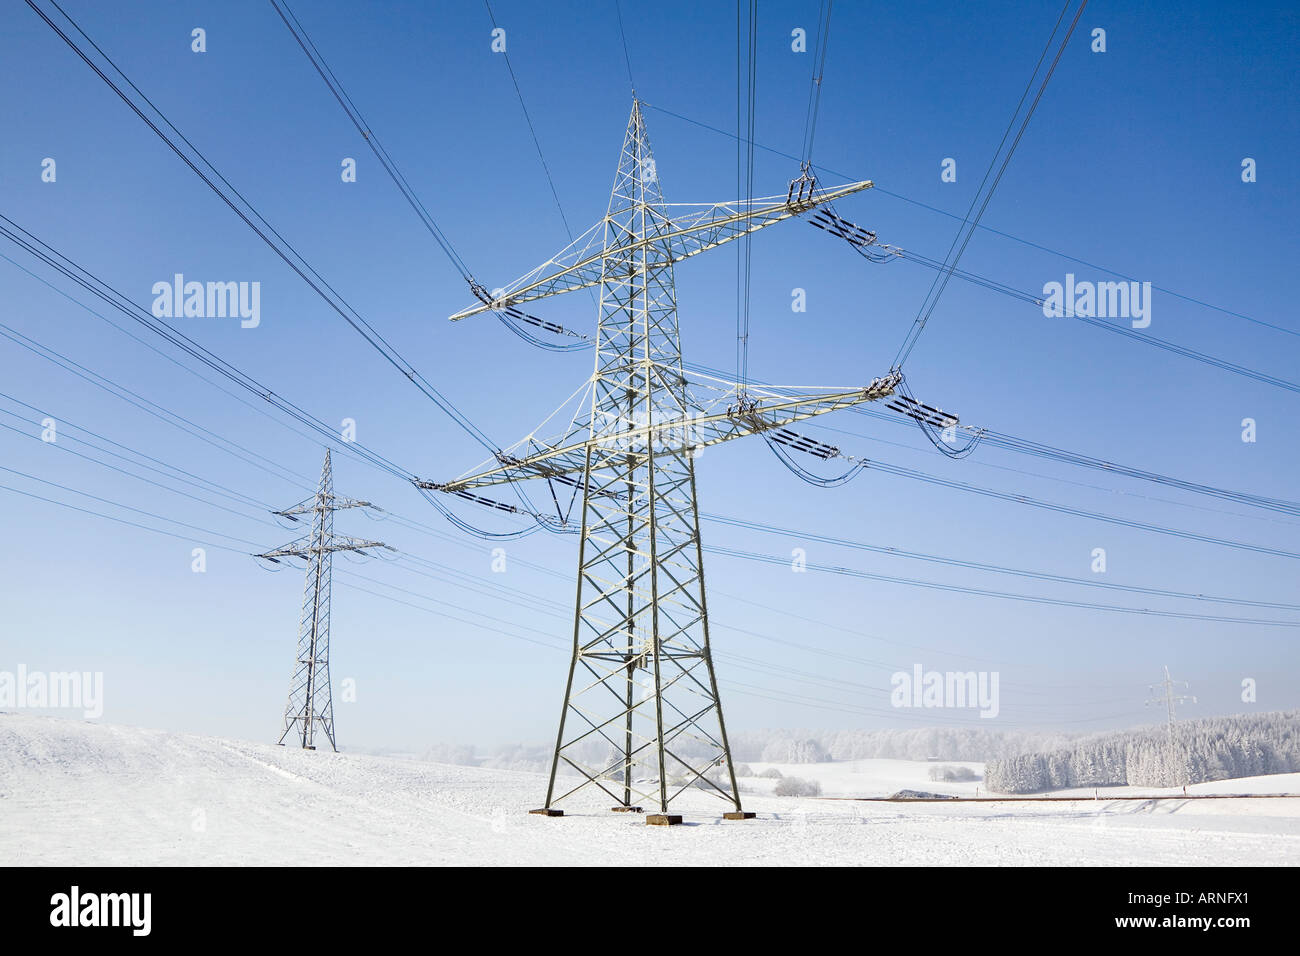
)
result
[(929, 743), (801, 746), (1197, 751)]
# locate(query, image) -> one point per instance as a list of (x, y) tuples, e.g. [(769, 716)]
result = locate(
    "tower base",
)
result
[(663, 819), (626, 810), (738, 815), (548, 812)]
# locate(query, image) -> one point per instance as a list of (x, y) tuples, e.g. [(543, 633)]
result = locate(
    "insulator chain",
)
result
[(503, 308)]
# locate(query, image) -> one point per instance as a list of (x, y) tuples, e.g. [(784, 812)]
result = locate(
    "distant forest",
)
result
[(1197, 751), (803, 746), (1216, 748), (929, 743)]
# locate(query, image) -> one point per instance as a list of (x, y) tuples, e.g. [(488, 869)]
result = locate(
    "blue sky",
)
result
[(1132, 161)]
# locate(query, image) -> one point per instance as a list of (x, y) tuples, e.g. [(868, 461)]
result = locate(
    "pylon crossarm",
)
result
[(696, 228), (751, 411), (332, 502), (295, 549), (576, 266), (341, 543), (336, 543)]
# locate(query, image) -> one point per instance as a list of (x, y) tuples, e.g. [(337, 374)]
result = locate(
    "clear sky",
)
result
[(1131, 162)]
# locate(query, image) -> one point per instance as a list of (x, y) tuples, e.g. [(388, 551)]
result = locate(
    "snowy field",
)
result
[(884, 778), (76, 793)]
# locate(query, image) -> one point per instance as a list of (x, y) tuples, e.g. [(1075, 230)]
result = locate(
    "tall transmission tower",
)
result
[(1168, 698), (641, 719), (310, 702)]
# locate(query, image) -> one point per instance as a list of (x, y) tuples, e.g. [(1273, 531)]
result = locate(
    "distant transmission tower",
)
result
[(1168, 698), (641, 719), (310, 703)]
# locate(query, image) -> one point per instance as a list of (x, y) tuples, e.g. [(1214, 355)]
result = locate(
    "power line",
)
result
[(800, 614), (531, 129), (248, 213), (393, 469), (118, 504), (745, 178), (627, 60), (135, 399), (1095, 321), (114, 298), (463, 578), (129, 474), (913, 473), (534, 137), (30, 249), (806, 536), (497, 586), (1084, 262), (990, 229), (815, 86), (927, 308), (186, 476), (923, 312), (1078, 484), (259, 408), (1144, 338), (1029, 447), (507, 317), (477, 622), (946, 271), (748, 690), (134, 524), (340, 94), (1004, 595)]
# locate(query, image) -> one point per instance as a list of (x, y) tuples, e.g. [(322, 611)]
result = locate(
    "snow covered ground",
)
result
[(868, 778), (82, 793), (883, 778)]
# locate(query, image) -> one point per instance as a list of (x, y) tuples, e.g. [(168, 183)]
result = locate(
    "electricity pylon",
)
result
[(1168, 699), (310, 702), (641, 718)]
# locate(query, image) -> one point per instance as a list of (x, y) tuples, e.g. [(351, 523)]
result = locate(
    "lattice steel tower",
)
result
[(1169, 699), (310, 701), (641, 718)]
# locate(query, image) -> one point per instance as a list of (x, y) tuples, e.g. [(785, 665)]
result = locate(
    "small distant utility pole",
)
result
[(310, 704), (1168, 699)]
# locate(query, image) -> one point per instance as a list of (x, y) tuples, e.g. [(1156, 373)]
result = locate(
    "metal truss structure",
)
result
[(310, 701), (641, 719), (1169, 700)]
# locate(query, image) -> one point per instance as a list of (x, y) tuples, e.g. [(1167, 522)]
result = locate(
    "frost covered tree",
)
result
[(1216, 748), (797, 787)]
